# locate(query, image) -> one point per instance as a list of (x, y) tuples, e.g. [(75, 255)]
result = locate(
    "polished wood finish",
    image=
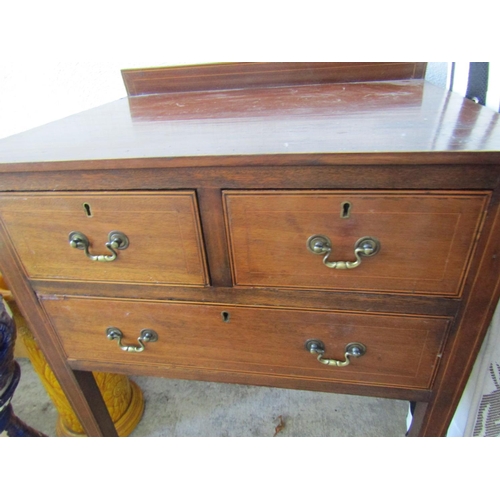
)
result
[(401, 351), (251, 74), (425, 162), (165, 242), (394, 118), (456, 171), (274, 297), (210, 201), (426, 239), (474, 317)]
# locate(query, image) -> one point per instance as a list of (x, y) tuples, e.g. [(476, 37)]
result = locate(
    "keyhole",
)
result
[(225, 316), (346, 210), (87, 209)]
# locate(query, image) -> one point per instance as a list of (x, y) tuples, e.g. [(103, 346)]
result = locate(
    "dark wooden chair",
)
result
[(10, 373)]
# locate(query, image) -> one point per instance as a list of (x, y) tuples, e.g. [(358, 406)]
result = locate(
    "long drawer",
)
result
[(399, 351), (396, 242), (108, 237)]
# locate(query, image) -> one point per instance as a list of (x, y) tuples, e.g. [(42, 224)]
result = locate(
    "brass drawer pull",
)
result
[(146, 336), (354, 349), (116, 241), (364, 247)]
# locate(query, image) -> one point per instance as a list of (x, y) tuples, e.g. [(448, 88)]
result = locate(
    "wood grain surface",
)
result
[(426, 239), (401, 351), (219, 182), (188, 78), (376, 117), (165, 242)]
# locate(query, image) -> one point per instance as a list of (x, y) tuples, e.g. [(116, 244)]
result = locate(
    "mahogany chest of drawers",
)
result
[(322, 226)]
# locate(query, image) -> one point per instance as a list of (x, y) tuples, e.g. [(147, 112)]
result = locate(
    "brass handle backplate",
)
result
[(364, 247), (116, 241), (354, 349), (146, 336)]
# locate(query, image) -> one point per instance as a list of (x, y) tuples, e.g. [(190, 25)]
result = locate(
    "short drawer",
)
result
[(401, 351), (164, 241), (396, 242)]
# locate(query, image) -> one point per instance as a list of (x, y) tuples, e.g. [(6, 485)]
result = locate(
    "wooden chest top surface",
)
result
[(395, 117)]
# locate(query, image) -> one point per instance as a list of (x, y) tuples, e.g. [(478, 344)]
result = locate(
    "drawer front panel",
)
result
[(426, 239), (165, 242), (400, 351)]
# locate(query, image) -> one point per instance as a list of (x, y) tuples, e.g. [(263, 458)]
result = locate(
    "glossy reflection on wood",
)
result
[(253, 74), (386, 117), (219, 177)]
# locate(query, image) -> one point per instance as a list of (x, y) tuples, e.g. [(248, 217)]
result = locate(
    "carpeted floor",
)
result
[(201, 409)]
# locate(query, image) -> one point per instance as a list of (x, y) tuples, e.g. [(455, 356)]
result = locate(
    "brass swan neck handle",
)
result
[(364, 247), (113, 333), (116, 241), (353, 349)]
